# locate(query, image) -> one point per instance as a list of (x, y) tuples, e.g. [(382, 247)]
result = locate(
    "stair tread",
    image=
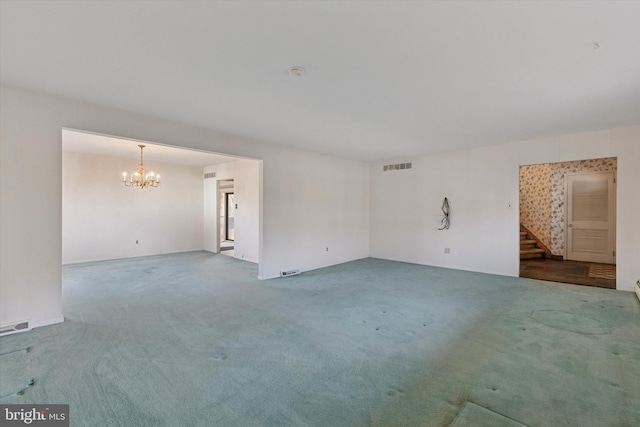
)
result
[(532, 256), (529, 247), (532, 251)]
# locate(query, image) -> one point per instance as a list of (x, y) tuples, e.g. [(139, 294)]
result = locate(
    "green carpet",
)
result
[(195, 340), (473, 415)]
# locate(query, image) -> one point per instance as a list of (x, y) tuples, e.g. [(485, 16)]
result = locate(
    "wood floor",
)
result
[(575, 272)]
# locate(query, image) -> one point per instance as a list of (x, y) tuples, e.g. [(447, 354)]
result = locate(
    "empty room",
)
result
[(319, 213)]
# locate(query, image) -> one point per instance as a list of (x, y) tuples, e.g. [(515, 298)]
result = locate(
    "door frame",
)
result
[(222, 186), (226, 215)]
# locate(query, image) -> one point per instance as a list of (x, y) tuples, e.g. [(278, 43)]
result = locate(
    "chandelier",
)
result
[(140, 179)]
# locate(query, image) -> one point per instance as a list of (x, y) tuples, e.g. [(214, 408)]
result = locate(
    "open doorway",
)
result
[(232, 209), (102, 219), (226, 225), (567, 222)]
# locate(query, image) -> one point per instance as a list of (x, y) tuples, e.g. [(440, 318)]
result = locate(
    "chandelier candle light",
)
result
[(140, 179)]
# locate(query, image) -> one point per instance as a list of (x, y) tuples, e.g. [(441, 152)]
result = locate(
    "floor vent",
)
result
[(15, 327), (289, 273), (396, 167), (209, 175)]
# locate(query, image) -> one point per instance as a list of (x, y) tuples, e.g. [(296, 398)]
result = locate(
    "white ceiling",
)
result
[(90, 143), (383, 79)]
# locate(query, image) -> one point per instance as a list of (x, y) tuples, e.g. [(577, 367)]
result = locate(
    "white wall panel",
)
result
[(102, 219), (246, 177)]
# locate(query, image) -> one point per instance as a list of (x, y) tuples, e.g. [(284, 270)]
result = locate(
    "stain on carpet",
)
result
[(571, 322), (473, 415), (13, 378)]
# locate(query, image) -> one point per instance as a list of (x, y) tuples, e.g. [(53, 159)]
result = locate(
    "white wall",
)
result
[(308, 201), (246, 181), (102, 219), (482, 188), (315, 202)]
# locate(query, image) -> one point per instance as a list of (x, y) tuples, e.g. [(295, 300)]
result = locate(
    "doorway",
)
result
[(229, 205), (189, 178), (226, 216), (567, 222)]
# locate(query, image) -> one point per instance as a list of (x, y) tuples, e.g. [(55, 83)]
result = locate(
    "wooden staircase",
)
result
[(529, 248)]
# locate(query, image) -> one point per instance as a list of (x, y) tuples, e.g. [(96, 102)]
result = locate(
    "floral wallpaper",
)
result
[(542, 204), (535, 200)]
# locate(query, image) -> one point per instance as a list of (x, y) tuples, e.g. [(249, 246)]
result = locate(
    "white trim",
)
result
[(47, 322), (11, 327)]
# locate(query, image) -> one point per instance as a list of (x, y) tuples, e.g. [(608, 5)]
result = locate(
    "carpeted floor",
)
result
[(195, 340)]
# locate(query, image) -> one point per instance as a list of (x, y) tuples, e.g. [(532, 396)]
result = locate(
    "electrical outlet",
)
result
[(326, 249), (638, 282), (136, 242), (447, 250)]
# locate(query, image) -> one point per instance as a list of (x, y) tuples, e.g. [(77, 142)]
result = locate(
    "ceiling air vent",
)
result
[(209, 175), (396, 167)]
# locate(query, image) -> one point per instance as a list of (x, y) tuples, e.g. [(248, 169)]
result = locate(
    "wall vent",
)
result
[(209, 175), (396, 167), (289, 273), (15, 328)]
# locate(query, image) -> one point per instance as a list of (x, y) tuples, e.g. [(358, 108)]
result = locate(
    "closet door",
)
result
[(591, 217)]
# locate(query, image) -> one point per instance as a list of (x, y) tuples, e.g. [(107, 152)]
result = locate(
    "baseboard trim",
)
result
[(47, 322), (27, 325), (15, 327)]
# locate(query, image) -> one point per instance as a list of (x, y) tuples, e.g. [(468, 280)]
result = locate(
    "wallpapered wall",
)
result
[(542, 204), (535, 200)]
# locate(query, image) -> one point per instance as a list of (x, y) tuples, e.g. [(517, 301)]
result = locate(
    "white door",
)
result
[(591, 227)]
